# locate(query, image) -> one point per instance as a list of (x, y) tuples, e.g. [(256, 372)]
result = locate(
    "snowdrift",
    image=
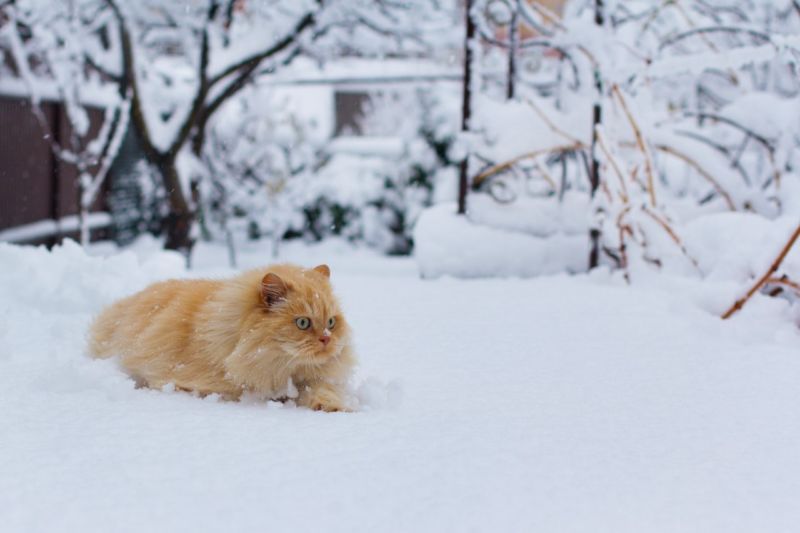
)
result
[(539, 237), (447, 244), (562, 403)]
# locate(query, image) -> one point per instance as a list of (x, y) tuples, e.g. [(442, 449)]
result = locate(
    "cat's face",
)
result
[(303, 316)]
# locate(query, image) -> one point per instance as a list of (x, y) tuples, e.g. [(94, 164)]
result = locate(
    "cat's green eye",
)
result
[(303, 322), (331, 322)]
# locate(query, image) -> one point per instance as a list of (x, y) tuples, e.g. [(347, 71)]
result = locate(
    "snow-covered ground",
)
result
[(554, 404)]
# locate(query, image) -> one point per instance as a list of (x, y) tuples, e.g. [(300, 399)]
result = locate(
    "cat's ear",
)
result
[(324, 270), (273, 289)]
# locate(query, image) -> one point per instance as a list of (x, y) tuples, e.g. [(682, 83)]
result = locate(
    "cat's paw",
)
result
[(330, 407), (325, 400)]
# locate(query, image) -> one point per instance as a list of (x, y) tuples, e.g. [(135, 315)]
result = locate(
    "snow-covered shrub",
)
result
[(658, 112), (373, 189), (267, 172), (403, 165), (256, 160)]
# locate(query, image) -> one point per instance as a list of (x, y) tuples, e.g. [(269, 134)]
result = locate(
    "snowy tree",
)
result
[(178, 62)]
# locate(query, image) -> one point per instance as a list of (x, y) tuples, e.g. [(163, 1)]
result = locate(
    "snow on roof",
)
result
[(368, 146), (357, 71), (91, 94)]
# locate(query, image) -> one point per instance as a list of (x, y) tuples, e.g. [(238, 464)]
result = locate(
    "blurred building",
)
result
[(38, 190)]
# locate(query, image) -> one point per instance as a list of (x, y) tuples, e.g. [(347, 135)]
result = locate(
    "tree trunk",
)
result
[(179, 230), (178, 224)]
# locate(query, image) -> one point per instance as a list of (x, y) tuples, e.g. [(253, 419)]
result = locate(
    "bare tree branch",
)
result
[(640, 142), (246, 66), (202, 86), (495, 169), (738, 304), (664, 224), (129, 80)]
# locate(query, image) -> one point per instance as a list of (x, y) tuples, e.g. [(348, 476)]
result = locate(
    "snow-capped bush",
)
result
[(268, 173), (373, 188), (659, 113)]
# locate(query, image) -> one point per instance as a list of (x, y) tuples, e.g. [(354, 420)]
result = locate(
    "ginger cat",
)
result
[(253, 333)]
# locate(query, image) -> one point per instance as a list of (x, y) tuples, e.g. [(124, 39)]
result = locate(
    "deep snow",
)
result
[(551, 404)]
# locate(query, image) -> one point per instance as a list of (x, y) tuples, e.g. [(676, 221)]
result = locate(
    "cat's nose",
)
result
[(325, 339)]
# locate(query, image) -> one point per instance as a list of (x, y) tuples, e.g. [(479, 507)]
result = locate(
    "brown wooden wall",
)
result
[(34, 184)]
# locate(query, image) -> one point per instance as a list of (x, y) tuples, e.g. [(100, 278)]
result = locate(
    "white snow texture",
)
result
[(558, 404)]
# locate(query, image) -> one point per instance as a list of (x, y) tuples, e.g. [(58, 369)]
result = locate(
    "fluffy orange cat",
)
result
[(256, 333)]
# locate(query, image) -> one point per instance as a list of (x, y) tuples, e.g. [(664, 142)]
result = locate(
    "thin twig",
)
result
[(672, 235), (785, 281), (613, 160), (546, 176), (604, 187), (640, 142), (706, 175), (738, 304), (550, 123), (491, 171)]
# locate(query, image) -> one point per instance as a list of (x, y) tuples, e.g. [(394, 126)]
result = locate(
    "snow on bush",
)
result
[(273, 174), (642, 121), (449, 244)]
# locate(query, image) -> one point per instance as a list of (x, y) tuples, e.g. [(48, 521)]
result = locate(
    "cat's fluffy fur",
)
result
[(234, 336)]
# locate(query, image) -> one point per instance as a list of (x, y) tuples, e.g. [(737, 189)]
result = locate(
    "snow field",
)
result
[(551, 404)]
